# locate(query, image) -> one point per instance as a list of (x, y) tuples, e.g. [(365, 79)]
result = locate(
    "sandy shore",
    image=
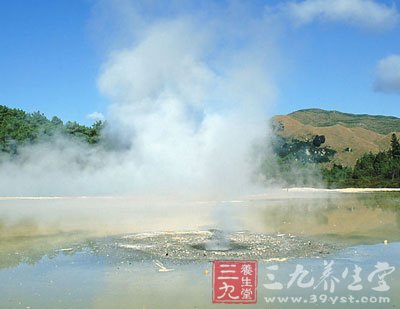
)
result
[(344, 190), (272, 192), (303, 192)]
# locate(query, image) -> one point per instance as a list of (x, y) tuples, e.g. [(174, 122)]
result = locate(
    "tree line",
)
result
[(309, 163), (371, 170), (19, 128)]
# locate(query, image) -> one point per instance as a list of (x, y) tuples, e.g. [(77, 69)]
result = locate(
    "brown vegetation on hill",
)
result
[(350, 143)]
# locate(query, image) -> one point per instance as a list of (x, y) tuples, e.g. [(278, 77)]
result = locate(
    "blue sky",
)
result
[(47, 60), (335, 69), (332, 54)]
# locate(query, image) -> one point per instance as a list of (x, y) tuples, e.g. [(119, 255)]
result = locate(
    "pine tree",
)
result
[(395, 146)]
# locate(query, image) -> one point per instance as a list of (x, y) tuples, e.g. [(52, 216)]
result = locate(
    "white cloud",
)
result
[(363, 13), (388, 74), (95, 116)]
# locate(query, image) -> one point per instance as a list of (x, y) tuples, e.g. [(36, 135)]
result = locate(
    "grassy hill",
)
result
[(322, 118), (350, 135)]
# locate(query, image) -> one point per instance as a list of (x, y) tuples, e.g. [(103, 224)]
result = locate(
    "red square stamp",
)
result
[(234, 282)]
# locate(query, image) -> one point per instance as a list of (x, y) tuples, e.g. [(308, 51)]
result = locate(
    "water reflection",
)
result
[(85, 280), (353, 218), (31, 229), (31, 249), (72, 245)]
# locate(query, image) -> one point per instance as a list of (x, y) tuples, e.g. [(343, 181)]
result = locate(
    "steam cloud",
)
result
[(188, 101)]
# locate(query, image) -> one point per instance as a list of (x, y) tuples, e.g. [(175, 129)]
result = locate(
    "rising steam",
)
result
[(188, 101)]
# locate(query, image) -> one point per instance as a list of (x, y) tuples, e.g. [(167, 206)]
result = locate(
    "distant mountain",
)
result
[(350, 135)]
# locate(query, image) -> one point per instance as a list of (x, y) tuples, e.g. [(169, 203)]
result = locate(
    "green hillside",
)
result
[(322, 118), (19, 128), (348, 150)]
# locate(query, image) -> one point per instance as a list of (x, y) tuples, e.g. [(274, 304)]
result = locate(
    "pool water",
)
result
[(127, 253)]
